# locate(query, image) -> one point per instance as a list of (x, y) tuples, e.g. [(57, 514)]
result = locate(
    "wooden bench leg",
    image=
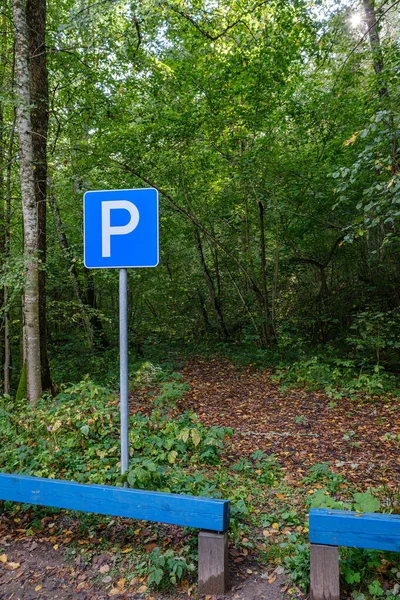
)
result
[(213, 563), (324, 572)]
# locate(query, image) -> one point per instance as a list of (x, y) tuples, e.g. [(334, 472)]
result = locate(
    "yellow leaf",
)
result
[(121, 583), (3, 558), (142, 589), (272, 579), (351, 139), (55, 546), (12, 566), (38, 587), (114, 592), (126, 550), (275, 526)]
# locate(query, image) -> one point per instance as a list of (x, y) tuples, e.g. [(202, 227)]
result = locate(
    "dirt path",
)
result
[(301, 428)]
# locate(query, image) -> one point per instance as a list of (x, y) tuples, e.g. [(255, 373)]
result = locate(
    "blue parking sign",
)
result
[(121, 229)]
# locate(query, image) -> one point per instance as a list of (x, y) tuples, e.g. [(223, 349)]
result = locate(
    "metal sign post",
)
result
[(121, 232), (123, 358)]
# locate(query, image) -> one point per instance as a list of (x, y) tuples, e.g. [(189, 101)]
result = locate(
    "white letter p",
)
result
[(107, 230)]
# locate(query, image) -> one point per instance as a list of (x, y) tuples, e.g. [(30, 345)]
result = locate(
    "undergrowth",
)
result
[(75, 436)]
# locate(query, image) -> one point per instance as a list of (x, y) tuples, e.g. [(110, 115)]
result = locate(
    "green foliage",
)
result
[(376, 333), (365, 502), (322, 499), (161, 444), (170, 393), (338, 377), (299, 566), (76, 436), (361, 502), (168, 568), (321, 473)]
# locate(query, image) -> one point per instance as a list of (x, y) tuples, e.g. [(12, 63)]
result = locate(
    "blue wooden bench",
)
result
[(209, 515), (330, 529)]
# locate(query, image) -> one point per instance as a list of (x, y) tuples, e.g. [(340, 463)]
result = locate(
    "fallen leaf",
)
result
[(272, 579), (38, 587), (279, 570), (107, 579), (3, 558), (142, 589), (266, 533), (104, 569), (12, 566)]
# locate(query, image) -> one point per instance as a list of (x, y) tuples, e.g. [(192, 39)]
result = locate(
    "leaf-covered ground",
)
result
[(357, 437), (64, 555)]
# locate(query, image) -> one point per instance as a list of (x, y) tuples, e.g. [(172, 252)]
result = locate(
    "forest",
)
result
[(270, 129)]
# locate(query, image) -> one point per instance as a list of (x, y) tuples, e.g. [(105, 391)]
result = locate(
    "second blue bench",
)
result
[(330, 529)]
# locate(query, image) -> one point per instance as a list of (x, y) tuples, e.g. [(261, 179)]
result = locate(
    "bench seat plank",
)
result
[(355, 530), (175, 509)]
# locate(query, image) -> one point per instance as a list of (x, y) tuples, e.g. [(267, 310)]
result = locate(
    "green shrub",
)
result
[(168, 568)]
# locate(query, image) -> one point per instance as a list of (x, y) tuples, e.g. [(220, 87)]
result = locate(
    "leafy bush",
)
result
[(339, 378), (362, 502), (76, 436), (299, 566), (168, 568), (166, 445), (321, 473)]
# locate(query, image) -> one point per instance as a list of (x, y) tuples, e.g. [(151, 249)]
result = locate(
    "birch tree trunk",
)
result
[(29, 206), (39, 90)]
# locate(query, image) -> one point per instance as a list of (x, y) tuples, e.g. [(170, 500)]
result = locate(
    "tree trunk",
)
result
[(267, 330), (29, 205), (374, 40), (7, 342), (379, 65), (91, 301), (2, 223), (71, 265), (215, 302), (36, 21)]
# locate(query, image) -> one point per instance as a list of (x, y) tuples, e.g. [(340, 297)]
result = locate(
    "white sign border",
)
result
[(158, 229)]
